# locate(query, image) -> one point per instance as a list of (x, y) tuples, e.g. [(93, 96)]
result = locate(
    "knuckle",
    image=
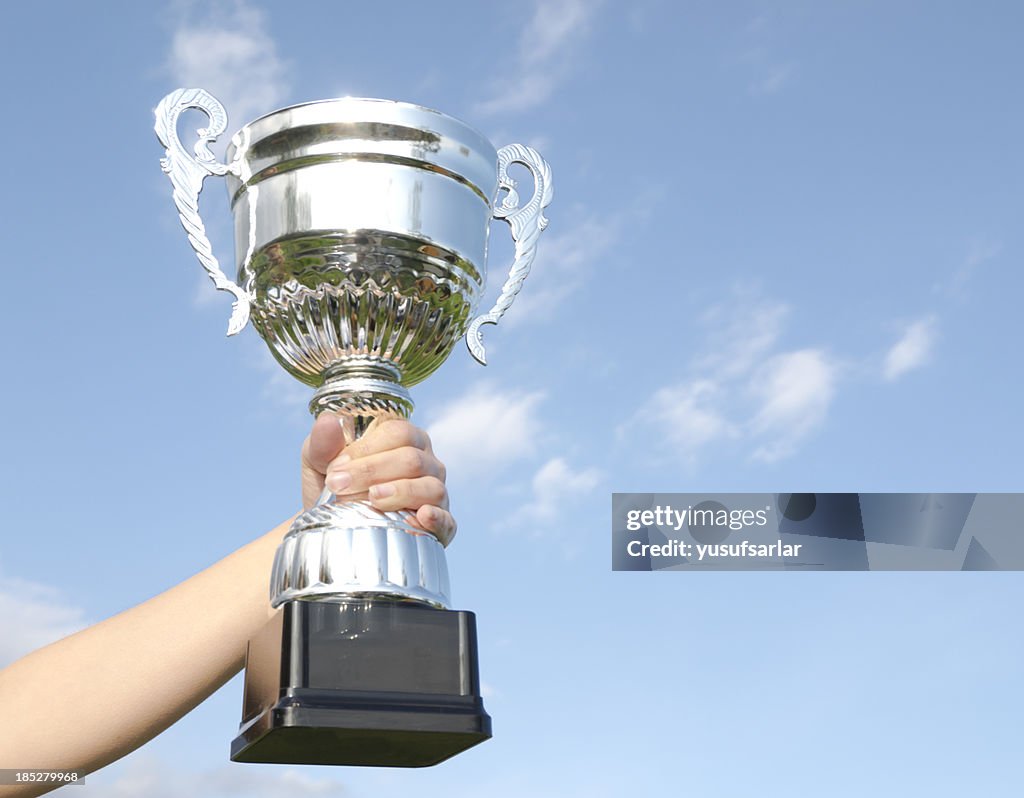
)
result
[(398, 430), (413, 460), (433, 490), (389, 425), (356, 449), (367, 471), (408, 434)]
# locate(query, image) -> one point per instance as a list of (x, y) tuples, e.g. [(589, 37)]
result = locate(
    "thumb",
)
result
[(325, 442)]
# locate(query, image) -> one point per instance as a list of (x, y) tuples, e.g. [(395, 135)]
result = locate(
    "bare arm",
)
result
[(91, 698)]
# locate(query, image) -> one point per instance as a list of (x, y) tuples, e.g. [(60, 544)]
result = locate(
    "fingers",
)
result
[(393, 465), (392, 433), (409, 494), (347, 475), (390, 451), (437, 521)]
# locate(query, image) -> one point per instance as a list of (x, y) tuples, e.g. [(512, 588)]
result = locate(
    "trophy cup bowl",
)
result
[(361, 230)]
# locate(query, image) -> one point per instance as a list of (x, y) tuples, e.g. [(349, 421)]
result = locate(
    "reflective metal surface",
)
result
[(526, 222), (187, 171), (361, 230), (350, 548)]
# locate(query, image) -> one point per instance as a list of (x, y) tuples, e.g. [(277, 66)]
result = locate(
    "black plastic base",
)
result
[(361, 683)]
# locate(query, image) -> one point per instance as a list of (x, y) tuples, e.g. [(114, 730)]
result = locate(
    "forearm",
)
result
[(86, 700)]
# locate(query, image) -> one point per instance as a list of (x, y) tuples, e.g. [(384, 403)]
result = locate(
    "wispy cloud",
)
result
[(742, 388), (33, 615), (794, 392), (979, 253), (554, 485), (772, 78), (487, 428), (769, 74), (690, 415), (547, 54), (916, 344), (229, 52), (912, 350), (738, 340), (224, 47)]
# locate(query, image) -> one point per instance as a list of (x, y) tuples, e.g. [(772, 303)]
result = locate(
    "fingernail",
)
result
[(382, 491), (337, 483)]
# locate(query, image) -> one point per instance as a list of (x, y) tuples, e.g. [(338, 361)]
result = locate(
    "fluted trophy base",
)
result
[(362, 682), (350, 549), (364, 664)]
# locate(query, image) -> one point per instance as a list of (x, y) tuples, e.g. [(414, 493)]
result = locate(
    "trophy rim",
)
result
[(340, 102)]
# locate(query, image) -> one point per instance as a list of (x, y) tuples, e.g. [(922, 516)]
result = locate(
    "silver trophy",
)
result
[(361, 230)]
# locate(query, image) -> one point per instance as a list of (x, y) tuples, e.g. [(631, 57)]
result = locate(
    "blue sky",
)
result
[(784, 254)]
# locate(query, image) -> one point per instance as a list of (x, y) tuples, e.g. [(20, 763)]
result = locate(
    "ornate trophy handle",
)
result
[(187, 172), (527, 223)]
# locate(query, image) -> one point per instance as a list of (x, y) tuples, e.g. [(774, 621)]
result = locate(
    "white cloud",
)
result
[(795, 390), (741, 388), (548, 46), (913, 349), (554, 485), (553, 25), (31, 616), (230, 54), (486, 428), (741, 331), (689, 416)]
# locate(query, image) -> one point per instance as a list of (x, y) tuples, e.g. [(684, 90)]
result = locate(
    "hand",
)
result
[(393, 462)]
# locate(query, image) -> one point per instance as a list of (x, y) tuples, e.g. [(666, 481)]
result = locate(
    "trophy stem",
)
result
[(344, 549), (365, 387)]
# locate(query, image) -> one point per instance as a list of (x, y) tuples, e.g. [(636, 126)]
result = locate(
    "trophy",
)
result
[(361, 231)]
